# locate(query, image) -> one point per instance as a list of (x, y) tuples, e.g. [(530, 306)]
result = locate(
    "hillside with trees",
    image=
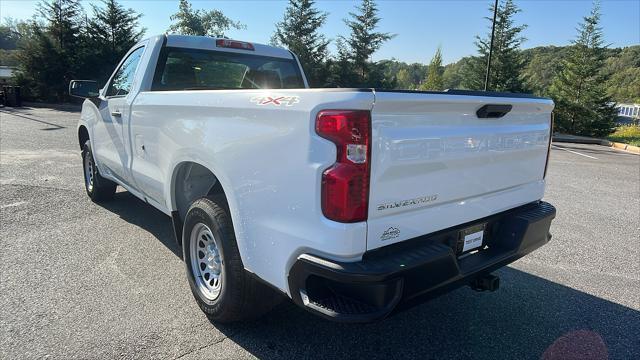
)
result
[(65, 41)]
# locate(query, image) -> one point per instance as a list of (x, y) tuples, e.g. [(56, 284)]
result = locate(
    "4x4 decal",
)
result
[(275, 101)]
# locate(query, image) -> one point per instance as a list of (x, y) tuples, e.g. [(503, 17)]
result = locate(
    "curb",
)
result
[(626, 147), (579, 140), (562, 138)]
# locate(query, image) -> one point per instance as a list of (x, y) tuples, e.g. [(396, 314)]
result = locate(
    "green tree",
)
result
[(542, 65), (48, 54), (299, 31), (404, 79), (582, 104), (453, 75), (63, 21), (341, 71), (625, 85), (377, 76), (201, 22), (624, 68), (9, 37), (364, 40), (39, 70), (434, 79), (400, 75), (506, 63), (113, 30)]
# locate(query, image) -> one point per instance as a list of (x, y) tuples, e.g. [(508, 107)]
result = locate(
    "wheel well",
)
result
[(193, 181), (83, 136)]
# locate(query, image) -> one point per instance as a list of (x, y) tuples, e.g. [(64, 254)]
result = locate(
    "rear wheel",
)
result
[(223, 289), (97, 187)]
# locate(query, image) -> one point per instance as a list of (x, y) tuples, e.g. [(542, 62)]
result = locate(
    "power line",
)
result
[(493, 31)]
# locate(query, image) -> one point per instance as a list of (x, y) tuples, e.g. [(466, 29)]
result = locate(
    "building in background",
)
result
[(6, 73), (628, 113)]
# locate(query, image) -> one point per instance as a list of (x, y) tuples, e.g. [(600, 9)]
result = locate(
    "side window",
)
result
[(123, 79)]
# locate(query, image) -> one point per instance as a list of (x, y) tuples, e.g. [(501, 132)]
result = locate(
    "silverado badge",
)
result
[(403, 203)]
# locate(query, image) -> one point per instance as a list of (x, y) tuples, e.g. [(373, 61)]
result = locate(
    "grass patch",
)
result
[(629, 134)]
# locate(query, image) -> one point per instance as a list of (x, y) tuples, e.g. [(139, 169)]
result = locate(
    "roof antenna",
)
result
[(493, 31)]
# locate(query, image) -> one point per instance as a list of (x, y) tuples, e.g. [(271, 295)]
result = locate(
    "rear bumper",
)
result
[(408, 273)]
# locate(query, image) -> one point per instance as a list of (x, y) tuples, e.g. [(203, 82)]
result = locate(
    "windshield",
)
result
[(192, 69)]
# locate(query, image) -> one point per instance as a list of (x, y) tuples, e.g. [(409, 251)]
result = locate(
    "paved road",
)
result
[(79, 280)]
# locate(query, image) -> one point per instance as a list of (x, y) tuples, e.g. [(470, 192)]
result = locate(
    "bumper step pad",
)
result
[(340, 304)]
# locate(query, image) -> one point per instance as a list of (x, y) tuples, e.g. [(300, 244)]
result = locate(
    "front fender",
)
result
[(89, 116)]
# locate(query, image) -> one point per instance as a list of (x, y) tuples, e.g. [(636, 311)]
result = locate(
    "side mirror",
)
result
[(85, 89)]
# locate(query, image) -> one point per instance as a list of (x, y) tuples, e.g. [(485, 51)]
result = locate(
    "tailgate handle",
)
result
[(493, 111)]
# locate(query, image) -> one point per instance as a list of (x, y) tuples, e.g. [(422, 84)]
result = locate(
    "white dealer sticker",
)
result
[(473, 240)]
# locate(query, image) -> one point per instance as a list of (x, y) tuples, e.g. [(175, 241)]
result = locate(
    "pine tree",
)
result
[(201, 22), (299, 32), (113, 30), (37, 64), (49, 57), (341, 71), (506, 63), (63, 19), (434, 73), (364, 40), (582, 104)]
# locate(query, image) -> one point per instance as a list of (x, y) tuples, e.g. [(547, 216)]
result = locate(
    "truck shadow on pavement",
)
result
[(52, 126), (528, 317), (145, 216)]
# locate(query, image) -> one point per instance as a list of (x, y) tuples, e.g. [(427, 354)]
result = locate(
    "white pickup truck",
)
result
[(354, 203)]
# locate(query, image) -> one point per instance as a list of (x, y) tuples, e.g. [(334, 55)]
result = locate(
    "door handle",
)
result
[(493, 111), (116, 113)]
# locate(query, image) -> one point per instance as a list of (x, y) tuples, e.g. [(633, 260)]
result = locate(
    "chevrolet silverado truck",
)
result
[(354, 203)]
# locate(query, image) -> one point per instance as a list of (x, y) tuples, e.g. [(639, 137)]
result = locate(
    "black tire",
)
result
[(98, 188), (241, 297)]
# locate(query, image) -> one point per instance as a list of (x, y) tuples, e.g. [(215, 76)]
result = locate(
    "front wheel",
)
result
[(97, 187), (223, 289)]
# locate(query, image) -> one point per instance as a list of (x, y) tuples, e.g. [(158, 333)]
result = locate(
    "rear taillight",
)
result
[(546, 164), (345, 185)]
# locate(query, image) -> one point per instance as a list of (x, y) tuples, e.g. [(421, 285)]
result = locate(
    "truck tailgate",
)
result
[(436, 164)]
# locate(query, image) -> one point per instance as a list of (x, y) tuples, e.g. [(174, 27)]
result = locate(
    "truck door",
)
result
[(111, 143)]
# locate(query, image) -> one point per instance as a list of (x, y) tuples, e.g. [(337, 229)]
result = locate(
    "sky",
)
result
[(420, 25)]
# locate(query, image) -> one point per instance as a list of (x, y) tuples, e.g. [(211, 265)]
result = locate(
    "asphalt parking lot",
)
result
[(80, 280)]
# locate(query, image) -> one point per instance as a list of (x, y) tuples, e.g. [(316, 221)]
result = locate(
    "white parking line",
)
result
[(12, 204), (575, 152)]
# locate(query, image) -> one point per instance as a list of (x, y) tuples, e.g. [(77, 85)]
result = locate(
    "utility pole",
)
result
[(493, 32)]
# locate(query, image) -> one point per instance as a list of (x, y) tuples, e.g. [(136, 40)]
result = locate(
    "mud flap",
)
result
[(177, 227)]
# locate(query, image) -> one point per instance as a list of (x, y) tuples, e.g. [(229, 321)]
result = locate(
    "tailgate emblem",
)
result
[(416, 201), (390, 233)]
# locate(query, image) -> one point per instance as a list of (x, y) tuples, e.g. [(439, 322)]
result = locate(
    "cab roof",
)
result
[(209, 43)]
